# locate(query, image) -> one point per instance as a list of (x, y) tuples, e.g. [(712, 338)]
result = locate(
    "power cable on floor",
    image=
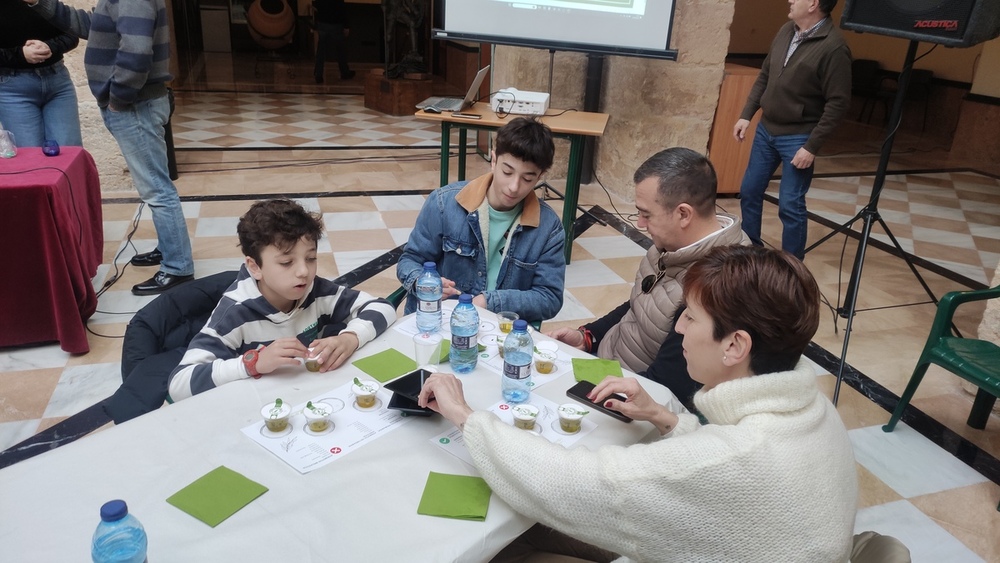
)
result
[(118, 273), (627, 218)]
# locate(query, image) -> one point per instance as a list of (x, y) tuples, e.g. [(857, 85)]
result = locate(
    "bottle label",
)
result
[(429, 306), (463, 342), (516, 372)]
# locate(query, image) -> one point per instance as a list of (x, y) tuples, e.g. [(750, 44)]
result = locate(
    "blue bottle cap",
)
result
[(114, 510), (430, 266), (521, 324), (465, 298)]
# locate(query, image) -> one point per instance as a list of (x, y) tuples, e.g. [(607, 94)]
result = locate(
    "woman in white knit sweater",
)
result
[(770, 478)]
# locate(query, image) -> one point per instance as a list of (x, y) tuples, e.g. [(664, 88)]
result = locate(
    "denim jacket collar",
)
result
[(473, 194)]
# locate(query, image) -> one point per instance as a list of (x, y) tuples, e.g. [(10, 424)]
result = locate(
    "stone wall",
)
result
[(653, 104), (96, 138)]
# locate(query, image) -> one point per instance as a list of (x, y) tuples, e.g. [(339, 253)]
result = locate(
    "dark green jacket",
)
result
[(811, 93)]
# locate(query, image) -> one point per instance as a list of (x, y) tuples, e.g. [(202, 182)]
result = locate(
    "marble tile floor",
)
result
[(245, 72), (948, 220), (260, 72), (217, 120)]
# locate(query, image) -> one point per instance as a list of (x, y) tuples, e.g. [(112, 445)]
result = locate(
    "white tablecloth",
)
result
[(360, 508)]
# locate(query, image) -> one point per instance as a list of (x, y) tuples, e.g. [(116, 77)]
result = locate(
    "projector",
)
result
[(512, 100)]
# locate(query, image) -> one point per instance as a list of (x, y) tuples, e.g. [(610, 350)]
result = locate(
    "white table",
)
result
[(360, 508)]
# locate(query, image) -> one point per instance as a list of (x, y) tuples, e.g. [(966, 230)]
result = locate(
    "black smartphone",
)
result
[(409, 385), (579, 392), (407, 406)]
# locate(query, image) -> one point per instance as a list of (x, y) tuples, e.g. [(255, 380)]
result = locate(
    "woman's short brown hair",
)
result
[(768, 293)]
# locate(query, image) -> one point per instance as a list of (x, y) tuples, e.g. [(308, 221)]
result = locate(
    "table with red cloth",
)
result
[(52, 242)]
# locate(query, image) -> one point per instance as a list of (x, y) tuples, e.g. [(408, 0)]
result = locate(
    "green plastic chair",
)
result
[(397, 297), (974, 360)]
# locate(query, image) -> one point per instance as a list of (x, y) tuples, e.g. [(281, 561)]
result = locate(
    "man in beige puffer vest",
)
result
[(675, 195)]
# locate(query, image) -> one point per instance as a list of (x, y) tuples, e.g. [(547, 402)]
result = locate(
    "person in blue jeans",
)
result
[(333, 26), (37, 97), (492, 237), (803, 90), (127, 60)]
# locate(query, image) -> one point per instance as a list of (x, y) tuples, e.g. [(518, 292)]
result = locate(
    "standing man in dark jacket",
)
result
[(804, 88), (333, 27)]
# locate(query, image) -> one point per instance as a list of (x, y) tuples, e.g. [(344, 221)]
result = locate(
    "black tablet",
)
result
[(409, 385), (408, 407)]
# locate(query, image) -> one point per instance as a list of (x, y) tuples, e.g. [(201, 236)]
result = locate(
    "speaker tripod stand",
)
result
[(869, 215)]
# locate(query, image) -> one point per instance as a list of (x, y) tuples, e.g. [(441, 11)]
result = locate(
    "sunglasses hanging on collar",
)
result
[(651, 280)]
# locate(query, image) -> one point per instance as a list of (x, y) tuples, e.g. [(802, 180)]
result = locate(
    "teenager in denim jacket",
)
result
[(492, 237)]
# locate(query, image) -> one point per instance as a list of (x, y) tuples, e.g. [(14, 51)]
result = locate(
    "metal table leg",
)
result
[(445, 150), (572, 190)]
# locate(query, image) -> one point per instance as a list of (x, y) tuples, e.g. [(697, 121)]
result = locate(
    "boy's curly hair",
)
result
[(281, 222)]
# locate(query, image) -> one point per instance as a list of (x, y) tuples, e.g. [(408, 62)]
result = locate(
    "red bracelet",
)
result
[(588, 338)]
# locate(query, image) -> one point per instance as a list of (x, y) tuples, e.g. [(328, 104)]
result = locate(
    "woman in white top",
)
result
[(771, 477)]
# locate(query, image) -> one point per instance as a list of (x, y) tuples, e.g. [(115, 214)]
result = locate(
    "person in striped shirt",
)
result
[(127, 62), (278, 311)]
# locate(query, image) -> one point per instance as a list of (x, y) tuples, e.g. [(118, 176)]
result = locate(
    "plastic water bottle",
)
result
[(517, 351), (429, 299), (119, 537), (464, 351), (7, 147)]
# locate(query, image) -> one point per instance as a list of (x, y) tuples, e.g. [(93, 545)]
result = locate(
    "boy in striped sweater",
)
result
[(278, 311)]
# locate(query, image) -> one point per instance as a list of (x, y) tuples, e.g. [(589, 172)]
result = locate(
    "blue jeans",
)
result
[(767, 153), (140, 136), (38, 104)]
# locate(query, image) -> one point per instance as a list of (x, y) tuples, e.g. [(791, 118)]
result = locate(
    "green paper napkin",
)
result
[(217, 495), (595, 370), (455, 496), (445, 348), (386, 365)]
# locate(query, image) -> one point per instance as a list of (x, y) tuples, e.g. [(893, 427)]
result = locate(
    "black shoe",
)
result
[(152, 258), (348, 75), (159, 283)]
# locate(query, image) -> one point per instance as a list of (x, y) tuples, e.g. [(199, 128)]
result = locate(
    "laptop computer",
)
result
[(440, 103)]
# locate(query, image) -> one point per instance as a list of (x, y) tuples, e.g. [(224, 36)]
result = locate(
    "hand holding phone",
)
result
[(580, 391)]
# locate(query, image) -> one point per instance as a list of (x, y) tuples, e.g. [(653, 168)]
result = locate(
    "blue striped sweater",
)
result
[(245, 320), (128, 47)]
